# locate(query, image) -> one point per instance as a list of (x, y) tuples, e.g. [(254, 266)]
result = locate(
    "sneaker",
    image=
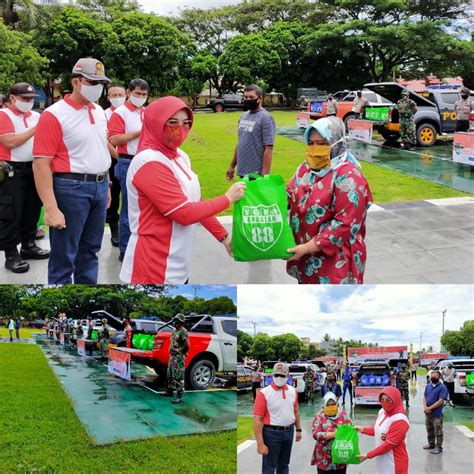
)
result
[(436, 451), (429, 446), (451, 403)]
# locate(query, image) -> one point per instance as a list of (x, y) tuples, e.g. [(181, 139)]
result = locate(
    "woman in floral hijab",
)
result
[(328, 198)]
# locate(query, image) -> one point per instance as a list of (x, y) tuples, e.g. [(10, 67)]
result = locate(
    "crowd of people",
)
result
[(277, 418), (124, 166)]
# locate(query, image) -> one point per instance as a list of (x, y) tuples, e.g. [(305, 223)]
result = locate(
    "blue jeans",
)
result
[(279, 445), (346, 387), (74, 249), (121, 169)]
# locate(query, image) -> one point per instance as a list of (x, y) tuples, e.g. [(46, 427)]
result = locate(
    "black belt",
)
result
[(127, 157), (20, 165), (280, 428), (98, 178)]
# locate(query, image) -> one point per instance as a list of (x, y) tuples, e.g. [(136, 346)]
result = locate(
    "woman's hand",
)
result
[(362, 457), (303, 249), (359, 428), (330, 435), (236, 192), (227, 243)]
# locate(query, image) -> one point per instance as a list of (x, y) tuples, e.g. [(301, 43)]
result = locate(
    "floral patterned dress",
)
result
[(331, 210), (322, 449)]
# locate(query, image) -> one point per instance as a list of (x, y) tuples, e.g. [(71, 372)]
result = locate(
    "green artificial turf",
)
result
[(212, 141), (244, 428), (469, 424), (39, 431)]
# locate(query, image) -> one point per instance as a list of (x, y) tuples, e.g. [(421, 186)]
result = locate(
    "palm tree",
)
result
[(11, 8)]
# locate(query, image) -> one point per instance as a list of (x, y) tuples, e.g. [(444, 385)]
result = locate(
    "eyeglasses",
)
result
[(280, 376), (176, 123), (92, 83)]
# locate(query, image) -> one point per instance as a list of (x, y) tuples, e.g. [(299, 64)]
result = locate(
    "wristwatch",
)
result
[(299, 430)]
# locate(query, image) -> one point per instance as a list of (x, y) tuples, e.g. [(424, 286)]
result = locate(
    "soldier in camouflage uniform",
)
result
[(403, 377), (406, 111), (179, 347), (309, 378), (104, 339)]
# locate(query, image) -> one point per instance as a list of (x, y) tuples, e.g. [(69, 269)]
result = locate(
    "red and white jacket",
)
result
[(124, 119), (13, 121), (164, 204), (74, 136)]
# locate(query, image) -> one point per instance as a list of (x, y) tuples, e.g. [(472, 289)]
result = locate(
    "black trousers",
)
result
[(112, 211), (255, 385), (20, 207), (462, 126)]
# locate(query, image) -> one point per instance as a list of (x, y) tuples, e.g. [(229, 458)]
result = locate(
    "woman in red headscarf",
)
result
[(390, 431), (164, 200)]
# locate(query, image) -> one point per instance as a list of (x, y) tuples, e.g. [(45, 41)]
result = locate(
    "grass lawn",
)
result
[(41, 433), (25, 333), (469, 424), (244, 428), (421, 372), (214, 136)]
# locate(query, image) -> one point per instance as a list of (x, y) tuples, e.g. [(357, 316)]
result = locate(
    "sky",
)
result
[(204, 291), (172, 7), (386, 314)]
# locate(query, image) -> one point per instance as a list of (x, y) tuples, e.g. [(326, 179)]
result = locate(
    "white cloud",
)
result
[(172, 7)]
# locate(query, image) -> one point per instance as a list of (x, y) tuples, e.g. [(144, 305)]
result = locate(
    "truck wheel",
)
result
[(201, 374), (426, 134), (346, 119), (219, 108), (389, 135)]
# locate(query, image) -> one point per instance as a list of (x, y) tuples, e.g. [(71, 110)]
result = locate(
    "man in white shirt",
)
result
[(359, 104)]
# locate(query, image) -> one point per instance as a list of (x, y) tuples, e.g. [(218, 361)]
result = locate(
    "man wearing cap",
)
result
[(116, 96), (20, 205), (463, 107), (276, 416), (125, 125), (179, 347), (71, 166)]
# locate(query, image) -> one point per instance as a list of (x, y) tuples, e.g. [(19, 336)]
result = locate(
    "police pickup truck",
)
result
[(212, 347), (435, 111)]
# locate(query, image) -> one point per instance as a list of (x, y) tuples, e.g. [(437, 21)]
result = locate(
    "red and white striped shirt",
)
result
[(277, 406), (13, 121), (124, 119), (164, 204), (74, 136)]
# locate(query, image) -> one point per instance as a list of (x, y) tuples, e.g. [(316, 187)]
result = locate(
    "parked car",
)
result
[(244, 377), (435, 113), (227, 101), (36, 324), (463, 367), (213, 344)]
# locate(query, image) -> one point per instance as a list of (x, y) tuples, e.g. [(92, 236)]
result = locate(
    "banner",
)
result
[(367, 396), (302, 119), (61, 339), (81, 347), (316, 107), (360, 130), (327, 360), (119, 363), (463, 148), (357, 355), (428, 359)]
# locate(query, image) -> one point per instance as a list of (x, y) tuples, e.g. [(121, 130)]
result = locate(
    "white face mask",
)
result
[(117, 102), (91, 93), (137, 101), (24, 106), (280, 381)]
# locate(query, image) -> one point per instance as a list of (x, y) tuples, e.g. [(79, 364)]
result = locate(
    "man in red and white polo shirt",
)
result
[(125, 125), (71, 165), (116, 96), (19, 202), (275, 418)]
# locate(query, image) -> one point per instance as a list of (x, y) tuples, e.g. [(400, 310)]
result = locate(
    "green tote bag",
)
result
[(345, 447), (260, 229)]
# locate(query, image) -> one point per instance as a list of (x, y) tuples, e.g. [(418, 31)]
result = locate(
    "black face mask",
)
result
[(251, 104), (464, 96), (434, 380)]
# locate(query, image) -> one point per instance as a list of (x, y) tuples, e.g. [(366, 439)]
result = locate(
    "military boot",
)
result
[(14, 262), (178, 398), (30, 250), (114, 237)]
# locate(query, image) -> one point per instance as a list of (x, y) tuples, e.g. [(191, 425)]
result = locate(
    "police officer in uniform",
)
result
[(406, 110), (463, 108), (20, 205), (402, 378), (179, 347)]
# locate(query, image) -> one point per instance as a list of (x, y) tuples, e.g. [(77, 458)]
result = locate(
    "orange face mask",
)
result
[(318, 156)]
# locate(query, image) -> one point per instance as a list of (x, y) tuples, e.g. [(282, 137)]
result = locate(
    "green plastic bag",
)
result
[(94, 335), (470, 379), (151, 343), (41, 218), (260, 229), (345, 447), (135, 340)]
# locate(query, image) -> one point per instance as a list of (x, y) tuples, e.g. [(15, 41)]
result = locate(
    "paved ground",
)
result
[(413, 242), (457, 457)]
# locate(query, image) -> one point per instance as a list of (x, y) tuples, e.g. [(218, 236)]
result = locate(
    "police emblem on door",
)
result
[(262, 225)]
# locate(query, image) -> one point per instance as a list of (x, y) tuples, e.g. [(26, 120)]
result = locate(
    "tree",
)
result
[(108, 10), (286, 347), (460, 342), (10, 295), (244, 343), (311, 352), (262, 348), (19, 60), (14, 10)]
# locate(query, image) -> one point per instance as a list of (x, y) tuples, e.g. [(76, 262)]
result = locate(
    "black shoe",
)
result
[(168, 393), (14, 262), (30, 250), (121, 256), (114, 238)]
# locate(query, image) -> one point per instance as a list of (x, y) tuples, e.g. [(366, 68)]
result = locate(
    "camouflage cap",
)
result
[(91, 69), (405, 92)]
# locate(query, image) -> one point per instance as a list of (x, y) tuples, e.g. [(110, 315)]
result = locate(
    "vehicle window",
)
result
[(383, 100), (248, 371), (349, 97), (450, 97), (370, 96), (296, 369), (230, 327), (468, 365), (240, 372)]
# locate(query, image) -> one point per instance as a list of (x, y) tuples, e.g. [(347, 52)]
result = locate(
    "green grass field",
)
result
[(25, 333), (214, 136), (470, 425), (39, 431), (244, 428)]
